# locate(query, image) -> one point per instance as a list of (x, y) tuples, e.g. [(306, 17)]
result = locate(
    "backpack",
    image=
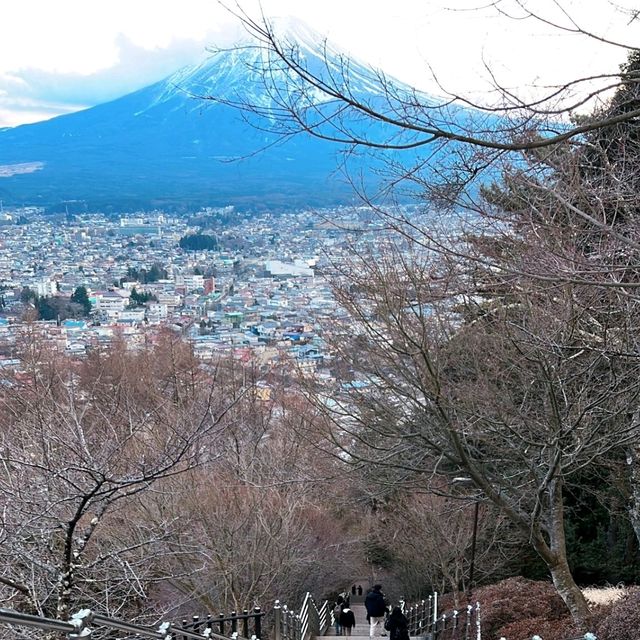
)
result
[(337, 610)]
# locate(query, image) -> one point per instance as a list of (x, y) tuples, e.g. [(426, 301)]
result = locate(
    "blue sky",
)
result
[(58, 56)]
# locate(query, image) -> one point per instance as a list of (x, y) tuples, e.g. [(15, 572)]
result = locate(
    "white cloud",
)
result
[(75, 52), (24, 90), (134, 67), (17, 111)]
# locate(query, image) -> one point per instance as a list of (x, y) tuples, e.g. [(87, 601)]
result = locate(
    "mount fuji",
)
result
[(163, 147)]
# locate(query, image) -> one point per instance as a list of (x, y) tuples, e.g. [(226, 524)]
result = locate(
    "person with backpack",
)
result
[(347, 620), (397, 625), (337, 611), (376, 609)]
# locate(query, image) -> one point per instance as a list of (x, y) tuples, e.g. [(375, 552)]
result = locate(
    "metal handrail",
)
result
[(256, 615), (81, 622), (424, 619), (49, 624), (309, 621)]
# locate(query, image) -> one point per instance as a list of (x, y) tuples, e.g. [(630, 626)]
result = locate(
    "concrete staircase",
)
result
[(361, 630)]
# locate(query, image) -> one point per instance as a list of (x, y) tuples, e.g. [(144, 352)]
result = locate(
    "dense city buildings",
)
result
[(261, 292)]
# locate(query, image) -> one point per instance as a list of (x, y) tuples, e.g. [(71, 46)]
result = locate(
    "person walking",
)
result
[(376, 608), (337, 612), (347, 621), (397, 625)]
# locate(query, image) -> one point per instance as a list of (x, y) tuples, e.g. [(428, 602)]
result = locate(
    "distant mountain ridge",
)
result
[(162, 146)]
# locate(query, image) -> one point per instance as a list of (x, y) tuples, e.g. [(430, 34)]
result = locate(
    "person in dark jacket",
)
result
[(347, 621), (397, 625), (337, 610), (376, 609)]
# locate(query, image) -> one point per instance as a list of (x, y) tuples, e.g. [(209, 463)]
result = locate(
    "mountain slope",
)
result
[(163, 147)]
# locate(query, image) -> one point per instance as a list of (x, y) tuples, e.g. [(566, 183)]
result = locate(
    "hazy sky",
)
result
[(58, 56)]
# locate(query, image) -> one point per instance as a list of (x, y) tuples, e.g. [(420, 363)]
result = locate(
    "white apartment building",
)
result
[(190, 282), (46, 287), (111, 302)]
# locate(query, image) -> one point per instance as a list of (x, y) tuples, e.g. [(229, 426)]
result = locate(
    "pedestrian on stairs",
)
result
[(347, 621), (397, 625), (376, 610), (337, 611)]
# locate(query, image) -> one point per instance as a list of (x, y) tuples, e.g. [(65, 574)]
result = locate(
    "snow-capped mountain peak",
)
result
[(250, 73), (162, 145)]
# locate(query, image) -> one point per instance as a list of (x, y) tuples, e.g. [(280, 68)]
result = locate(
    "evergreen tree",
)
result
[(81, 297), (139, 299), (198, 242), (27, 295)]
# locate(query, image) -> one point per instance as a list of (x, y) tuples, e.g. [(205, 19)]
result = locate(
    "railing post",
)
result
[(468, 623), (314, 619), (478, 626), (277, 617), (245, 623), (299, 628), (289, 627), (285, 623), (221, 624), (257, 623), (80, 621), (234, 623), (323, 617)]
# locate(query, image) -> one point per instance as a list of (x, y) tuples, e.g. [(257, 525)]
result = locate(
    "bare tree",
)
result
[(433, 539), (458, 377), (264, 516), (500, 344), (79, 444), (327, 95)]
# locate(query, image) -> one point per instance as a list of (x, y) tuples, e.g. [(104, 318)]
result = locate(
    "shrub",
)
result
[(604, 595), (516, 600), (559, 629), (517, 608), (623, 620)]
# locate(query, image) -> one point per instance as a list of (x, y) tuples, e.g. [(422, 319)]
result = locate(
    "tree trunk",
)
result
[(555, 556), (574, 599), (633, 464)]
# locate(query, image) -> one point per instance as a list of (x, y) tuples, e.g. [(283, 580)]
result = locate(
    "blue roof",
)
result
[(74, 324), (355, 384)]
